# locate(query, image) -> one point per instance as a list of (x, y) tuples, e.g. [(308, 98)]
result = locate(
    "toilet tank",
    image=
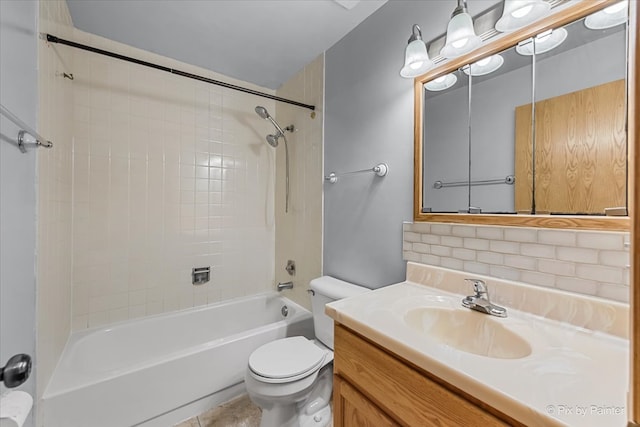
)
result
[(327, 289)]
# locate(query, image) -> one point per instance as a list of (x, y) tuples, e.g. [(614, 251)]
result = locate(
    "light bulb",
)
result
[(615, 8), (416, 65), (520, 13), (523, 11), (608, 17), (460, 43), (484, 61), (441, 83)]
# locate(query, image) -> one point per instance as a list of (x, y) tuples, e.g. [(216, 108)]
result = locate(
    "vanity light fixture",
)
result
[(441, 83), (608, 17), (520, 13), (416, 58), (461, 36), (544, 42), (484, 66)]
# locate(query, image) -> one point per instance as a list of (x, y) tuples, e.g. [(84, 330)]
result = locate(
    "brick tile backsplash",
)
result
[(586, 262)]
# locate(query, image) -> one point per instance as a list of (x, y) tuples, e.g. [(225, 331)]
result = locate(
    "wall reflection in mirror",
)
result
[(536, 129)]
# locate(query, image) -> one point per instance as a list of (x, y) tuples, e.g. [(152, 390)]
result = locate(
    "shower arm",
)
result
[(276, 125)]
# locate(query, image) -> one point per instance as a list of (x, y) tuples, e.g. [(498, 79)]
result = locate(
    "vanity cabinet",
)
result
[(373, 387)]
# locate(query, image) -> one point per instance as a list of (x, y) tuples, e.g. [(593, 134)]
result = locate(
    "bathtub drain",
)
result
[(284, 311)]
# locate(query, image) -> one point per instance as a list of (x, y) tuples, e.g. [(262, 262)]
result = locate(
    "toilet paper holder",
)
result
[(16, 371)]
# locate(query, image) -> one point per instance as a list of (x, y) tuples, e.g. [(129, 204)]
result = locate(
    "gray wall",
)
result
[(369, 119), (18, 92)]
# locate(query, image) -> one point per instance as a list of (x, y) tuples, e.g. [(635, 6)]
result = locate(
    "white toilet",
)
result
[(291, 379)]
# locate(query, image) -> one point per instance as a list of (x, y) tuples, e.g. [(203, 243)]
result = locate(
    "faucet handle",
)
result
[(479, 286)]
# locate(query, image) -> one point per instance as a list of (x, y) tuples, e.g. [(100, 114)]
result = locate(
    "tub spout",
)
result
[(286, 285)]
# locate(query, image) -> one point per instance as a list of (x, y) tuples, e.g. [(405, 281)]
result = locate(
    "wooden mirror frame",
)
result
[(565, 16)]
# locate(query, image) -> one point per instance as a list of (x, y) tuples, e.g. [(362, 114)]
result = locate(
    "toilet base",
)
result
[(310, 408)]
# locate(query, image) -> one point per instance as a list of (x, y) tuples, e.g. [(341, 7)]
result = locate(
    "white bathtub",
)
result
[(133, 372)]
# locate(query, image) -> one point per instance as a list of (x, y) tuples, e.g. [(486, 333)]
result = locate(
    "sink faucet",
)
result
[(286, 285), (480, 301)]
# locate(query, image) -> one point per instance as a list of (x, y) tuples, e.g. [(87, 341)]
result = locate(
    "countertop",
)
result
[(573, 376)]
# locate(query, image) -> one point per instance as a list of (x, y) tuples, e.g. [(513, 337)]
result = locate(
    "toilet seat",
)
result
[(286, 360)]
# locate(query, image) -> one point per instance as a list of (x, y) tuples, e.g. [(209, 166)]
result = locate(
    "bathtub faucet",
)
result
[(283, 286)]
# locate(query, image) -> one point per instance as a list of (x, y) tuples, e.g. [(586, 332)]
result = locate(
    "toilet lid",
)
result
[(286, 358)]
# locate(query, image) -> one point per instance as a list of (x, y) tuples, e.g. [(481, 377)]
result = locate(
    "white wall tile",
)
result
[(578, 255), (430, 259), (585, 262), (559, 268), (421, 248), (600, 273), (504, 247), (535, 278), (490, 233), (522, 262), (171, 174), (490, 257), (614, 258), (557, 237), (452, 263), (477, 244), (454, 242), (440, 250), (463, 231), (464, 254), (538, 250), (600, 240), (526, 235)]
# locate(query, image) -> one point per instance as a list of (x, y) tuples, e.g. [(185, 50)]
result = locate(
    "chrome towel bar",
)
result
[(381, 169), (509, 180), (26, 136)]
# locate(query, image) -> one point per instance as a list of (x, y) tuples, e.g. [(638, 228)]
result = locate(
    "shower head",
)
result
[(273, 140), (262, 112)]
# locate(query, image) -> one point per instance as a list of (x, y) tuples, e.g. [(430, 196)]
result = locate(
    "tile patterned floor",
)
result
[(240, 412)]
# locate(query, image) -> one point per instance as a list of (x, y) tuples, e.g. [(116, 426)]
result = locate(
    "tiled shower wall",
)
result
[(586, 262), (168, 174), (299, 232), (54, 217)]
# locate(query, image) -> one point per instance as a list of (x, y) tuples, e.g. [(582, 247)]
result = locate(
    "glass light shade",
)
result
[(543, 42), (416, 60), (484, 66), (520, 13), (461, 37), (608, 17), (441, 83)]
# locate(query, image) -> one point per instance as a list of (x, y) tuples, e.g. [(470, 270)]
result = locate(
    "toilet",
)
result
[(291, 379)]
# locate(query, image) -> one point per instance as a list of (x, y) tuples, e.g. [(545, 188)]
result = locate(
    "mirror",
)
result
[(542, 134), (580, 148)]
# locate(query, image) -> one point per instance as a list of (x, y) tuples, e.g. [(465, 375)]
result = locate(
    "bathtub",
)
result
[(133, 372)]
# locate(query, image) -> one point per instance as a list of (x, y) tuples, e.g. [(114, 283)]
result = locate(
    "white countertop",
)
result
[(573, 376)]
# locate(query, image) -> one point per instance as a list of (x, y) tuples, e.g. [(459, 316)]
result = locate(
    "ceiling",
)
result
[(259, 41)]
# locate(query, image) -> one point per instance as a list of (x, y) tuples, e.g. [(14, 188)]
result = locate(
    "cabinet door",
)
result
[(352, 409)]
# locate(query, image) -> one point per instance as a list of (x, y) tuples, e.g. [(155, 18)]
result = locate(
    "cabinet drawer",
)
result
[(402, 392)]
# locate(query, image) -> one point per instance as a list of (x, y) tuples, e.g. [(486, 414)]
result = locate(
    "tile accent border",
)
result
[(591, 263)]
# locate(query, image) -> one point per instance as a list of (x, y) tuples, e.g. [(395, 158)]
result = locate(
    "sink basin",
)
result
[(468, 331)]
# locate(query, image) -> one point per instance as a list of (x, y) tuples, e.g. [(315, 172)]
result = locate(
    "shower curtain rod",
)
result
[(54, 39)]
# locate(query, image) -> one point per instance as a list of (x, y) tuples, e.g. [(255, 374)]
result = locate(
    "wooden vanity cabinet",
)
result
[(375, 388)]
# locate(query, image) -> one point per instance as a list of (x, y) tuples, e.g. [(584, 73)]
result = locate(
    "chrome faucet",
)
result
[(283, 286), (480, 301)]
